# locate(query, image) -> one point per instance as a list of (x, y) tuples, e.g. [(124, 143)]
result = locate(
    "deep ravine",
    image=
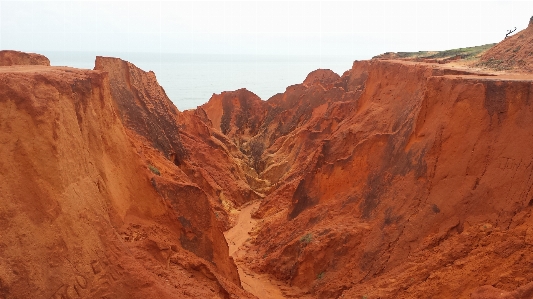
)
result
[(263, 286)]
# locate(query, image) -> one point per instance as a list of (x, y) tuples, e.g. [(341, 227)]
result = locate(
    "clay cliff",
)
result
[(84, 214), (399, 179), (415, 189)]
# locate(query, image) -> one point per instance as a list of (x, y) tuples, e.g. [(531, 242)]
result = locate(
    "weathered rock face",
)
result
[(490, 292), (190, 162), (325, 78), (182, 146), (144, 106), (218, 166), (400, 180), (238, 115), (83, 215), (9, 58), (513, 52)]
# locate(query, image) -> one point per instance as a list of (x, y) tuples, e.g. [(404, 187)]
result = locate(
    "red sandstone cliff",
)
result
[(398, 179), (184, 149), (415, 193), (83, 215), (10, 58)]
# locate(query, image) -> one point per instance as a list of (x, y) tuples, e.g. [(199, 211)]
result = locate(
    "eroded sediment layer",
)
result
[(398, 179), (83, 214), (512, 53), (401, 180)]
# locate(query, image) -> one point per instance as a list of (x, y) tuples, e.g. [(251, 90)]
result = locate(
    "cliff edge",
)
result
[(10, 58)]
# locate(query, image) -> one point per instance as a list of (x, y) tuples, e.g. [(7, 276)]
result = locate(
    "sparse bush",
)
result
[(307, 238), (320, 275), (154, 169)]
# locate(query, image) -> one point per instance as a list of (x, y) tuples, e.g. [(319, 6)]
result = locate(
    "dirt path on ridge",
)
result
[(261, 285)]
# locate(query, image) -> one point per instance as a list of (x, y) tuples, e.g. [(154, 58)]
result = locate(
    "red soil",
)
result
[(83, 215)]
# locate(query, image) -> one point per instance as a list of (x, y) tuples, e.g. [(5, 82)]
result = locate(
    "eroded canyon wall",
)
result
[(399, 180), (83, 214)]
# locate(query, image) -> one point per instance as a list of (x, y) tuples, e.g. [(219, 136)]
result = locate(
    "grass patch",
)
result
[(154, 169), (307, 238), (464, 53)]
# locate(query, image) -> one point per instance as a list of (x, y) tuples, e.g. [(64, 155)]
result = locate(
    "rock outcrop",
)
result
[(238, 115), (398, 179), (144, 106), (9, 58)]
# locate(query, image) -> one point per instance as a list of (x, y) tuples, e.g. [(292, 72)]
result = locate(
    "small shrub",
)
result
[(154, 169), (307, 238), (320, 275)]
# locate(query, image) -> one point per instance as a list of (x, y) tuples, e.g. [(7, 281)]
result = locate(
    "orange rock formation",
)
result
[(83, 215), (398, 179), (9, 58)]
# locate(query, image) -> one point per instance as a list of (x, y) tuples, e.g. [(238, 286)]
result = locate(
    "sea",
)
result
[(190, 80)]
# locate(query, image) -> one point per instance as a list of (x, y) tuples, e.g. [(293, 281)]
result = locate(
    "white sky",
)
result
[(361, 29)]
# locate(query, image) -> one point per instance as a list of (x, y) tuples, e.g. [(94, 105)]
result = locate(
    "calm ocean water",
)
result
[(190, 79)]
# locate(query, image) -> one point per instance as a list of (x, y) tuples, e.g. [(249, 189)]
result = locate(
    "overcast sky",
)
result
[(361, 29)]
